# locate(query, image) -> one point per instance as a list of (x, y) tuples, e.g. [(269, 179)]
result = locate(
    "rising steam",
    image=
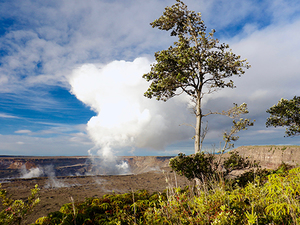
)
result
[(33, 172), (47, 171), (125, 118)]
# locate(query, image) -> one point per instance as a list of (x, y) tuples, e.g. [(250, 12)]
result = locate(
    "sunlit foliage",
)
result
[(286, 114), (16, 211)]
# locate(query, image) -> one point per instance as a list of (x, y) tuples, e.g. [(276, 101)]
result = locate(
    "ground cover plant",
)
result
[(16, 211), (128, 208)]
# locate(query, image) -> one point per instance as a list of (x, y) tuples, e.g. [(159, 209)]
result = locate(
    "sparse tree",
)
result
[(286, 114), (238, 125), (197, 64)]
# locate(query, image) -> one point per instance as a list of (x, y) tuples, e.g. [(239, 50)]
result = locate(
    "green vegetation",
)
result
[(256, 203), (128, 208), (200, 165), (16, 211), (286, 114), (207, 166)]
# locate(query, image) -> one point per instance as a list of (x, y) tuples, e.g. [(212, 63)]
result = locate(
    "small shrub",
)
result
[(283, 168), (16, 211), (250, 176), (235, 162), (199, 165)]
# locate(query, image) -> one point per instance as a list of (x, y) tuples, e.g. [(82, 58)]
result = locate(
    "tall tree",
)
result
[(197, 64), (286, 114)]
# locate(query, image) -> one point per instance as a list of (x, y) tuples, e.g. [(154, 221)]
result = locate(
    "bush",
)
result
[(128, 208), (235, 162), (199, 165), (16, 211), (250, 176), (283, 168)]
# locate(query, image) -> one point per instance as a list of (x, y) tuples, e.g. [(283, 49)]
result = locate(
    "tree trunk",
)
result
[(198, 124)]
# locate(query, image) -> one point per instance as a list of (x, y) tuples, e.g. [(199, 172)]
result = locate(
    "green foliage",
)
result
[(199, 165), (197, 59), (204, 166), (286, 114), (241, 124), (283, 197), (258, 174), (283, 168), (235, 162), (196, 62), (125, 208), (250, 176), (16, 211), (256, 203)]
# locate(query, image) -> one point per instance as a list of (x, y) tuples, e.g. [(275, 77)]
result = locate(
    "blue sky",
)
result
[(70, 75)]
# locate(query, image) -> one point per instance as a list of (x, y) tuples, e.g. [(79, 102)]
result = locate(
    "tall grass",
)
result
[(273, 200)]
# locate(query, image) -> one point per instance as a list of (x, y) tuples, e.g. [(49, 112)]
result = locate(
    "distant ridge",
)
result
[(271, 156)]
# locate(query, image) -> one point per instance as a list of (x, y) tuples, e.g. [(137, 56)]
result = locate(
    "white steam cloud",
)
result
[(47, 171), (53, 182), (33, 172), (125, 118)]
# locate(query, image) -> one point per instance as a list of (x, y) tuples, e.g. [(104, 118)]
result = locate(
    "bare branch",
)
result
[(203, 134), (186, 124), (234, 112)]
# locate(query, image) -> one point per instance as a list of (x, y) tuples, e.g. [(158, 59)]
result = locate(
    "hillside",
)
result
[(271, 156)]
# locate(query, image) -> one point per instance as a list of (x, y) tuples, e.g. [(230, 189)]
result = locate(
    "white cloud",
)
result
[(273, 54), (266, 131), (5, 115), (59, 37), (23, 132), (41, 146)]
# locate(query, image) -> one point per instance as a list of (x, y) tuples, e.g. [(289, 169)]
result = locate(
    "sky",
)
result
[(71, 75)]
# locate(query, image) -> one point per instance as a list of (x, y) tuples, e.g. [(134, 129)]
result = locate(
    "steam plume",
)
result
[(125, 118), (33, 172), (47, 171)]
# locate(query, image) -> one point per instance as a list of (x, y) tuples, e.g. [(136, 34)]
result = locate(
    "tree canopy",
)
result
[(197, 64), (286, 114)]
